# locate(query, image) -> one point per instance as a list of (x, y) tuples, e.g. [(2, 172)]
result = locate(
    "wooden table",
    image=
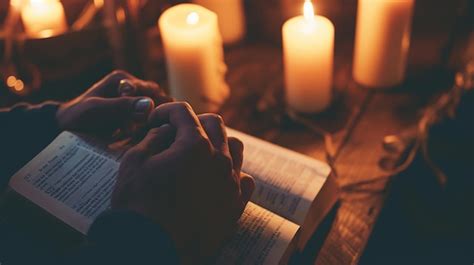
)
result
[(349, 136)]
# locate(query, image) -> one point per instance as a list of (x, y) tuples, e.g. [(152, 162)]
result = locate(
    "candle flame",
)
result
[(308, 10), (192, 18), (19, 85)]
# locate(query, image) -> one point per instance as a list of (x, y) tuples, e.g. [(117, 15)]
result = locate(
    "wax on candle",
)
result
[(194, 56), (382, 42), (231, 18), (308, 54), (43, 18)]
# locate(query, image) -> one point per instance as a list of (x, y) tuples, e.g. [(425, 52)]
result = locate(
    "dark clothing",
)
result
[(123, 237), (116, 237), (24, 131)]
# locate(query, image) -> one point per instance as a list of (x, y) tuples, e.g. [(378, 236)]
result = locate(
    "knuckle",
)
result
[(212, 118), (118, 73), (126, 83), (183, 105), (218, 118), (176, 106), (153, 85)]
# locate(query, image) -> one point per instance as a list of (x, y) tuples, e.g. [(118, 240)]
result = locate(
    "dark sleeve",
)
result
[(24, 131), (124, 237)]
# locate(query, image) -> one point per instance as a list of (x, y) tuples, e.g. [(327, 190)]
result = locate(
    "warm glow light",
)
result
[(99, 3), (43, 18), (120, 14), (38, 2), (192, 18), (19, 85), (11, 80), (46, 33), (308, 10)]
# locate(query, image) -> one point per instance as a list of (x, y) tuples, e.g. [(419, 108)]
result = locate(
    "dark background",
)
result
[(420, 223), (70, 63)]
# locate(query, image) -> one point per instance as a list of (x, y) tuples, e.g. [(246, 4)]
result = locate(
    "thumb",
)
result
[(247, 186), (117, 111)]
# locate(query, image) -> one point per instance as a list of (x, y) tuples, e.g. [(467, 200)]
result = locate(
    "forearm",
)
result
[(25, 131)]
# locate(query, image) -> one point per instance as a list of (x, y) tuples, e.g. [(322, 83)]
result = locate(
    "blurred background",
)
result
[(123, 34)]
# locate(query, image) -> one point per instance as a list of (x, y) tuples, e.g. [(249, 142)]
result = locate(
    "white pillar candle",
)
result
[(231, 18), (308, 54), (194, 56), (382, 42), (43, 18)]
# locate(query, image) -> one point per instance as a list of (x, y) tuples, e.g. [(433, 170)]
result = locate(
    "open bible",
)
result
[(73, 179)]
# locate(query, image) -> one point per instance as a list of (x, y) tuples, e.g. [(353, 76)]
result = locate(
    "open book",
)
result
[(73, 180)]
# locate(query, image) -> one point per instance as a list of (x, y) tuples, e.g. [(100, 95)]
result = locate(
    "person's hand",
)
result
[(117, 101), (186, 176)]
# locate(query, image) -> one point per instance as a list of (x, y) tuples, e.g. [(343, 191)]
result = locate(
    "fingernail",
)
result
[(143, 105), (126, 87)]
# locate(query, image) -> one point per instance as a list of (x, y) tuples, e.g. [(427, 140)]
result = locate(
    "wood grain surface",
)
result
[(355, 124)]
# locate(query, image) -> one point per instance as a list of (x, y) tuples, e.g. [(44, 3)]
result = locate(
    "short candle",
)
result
[(308, 54), (194, 56)]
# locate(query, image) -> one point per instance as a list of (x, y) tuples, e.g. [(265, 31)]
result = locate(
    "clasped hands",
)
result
[(185, 174)]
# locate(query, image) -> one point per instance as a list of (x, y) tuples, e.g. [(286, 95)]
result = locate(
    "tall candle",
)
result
[(382, 42), (43, 18), (308, 54), (194, 56), (231, 18)]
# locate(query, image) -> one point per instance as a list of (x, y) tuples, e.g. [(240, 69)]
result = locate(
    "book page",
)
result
[(73, 179), (262, 237), (286, 182)]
